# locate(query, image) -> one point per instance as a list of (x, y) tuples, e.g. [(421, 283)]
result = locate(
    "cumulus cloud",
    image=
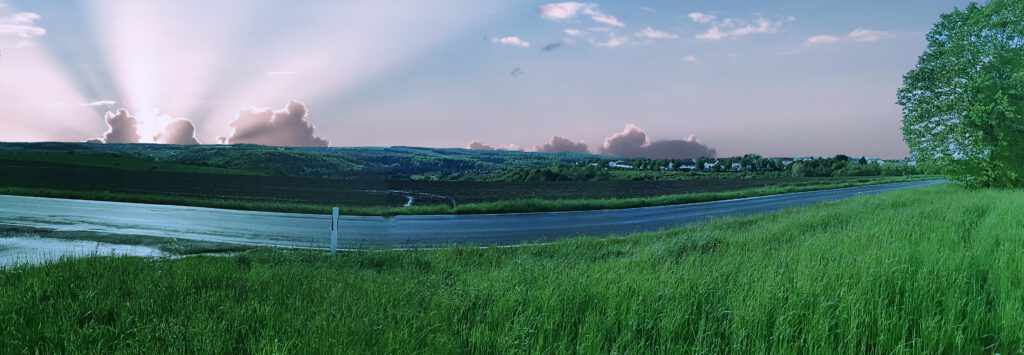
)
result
[(651, 33), (560, 144), (121, 128), (821, 39), (179, 131), (570, 9), (633, 142), (690, 59), (512, 41), (735, 28), (475, 145), (289, 127), (21, 27)]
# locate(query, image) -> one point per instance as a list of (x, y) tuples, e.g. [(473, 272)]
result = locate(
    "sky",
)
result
[(644, 78)]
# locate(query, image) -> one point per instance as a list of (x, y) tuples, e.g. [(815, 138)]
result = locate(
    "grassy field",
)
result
[(930, 270), (502, 206)]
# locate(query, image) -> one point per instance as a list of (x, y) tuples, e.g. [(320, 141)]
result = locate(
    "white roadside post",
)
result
[(334, 230)]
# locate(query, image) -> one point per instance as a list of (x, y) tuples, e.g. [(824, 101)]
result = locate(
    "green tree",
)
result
[(699, 163), (963, 105), (798, 169)]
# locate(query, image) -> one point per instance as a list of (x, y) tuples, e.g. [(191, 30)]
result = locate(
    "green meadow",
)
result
[(928, 270)]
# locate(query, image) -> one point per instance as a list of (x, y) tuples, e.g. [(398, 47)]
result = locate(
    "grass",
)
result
[(505, 206), (929, 270)]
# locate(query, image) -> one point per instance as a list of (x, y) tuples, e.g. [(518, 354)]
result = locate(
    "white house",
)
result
[(688, 165)]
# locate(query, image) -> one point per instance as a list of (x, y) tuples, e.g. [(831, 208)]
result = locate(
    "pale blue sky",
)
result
[(439, 74)]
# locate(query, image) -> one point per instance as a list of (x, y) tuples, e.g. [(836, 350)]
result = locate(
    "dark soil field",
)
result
[(365, 192)]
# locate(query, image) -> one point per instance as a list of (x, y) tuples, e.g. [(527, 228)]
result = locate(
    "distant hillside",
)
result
[(360, 162)]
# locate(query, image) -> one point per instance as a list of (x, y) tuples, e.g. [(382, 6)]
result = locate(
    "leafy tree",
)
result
[(798, 169), (700, 163), (963, 105)]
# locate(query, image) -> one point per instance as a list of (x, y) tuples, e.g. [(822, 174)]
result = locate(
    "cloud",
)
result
[(608, 37), (559, 144), (512, 41), (712, 34), (517, 71), (821, 39), (475, 145), (633, 142), (607, 19), (614, 40), (690, 59), (95, 140), (651, 33), (20, 27), (179, 131), (866, 35), (560, 11), (700, 17), (555, 45), (121, 128), (289, 127), (857, 35), (731, 27), (570, 9)]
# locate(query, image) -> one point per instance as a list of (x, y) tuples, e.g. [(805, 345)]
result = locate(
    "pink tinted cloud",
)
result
[(289, 127)]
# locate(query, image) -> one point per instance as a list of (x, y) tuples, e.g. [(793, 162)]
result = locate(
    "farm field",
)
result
[(382, 196), (931, 270)]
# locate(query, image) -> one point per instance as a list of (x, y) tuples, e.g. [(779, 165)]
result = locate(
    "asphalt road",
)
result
[(304, 231)]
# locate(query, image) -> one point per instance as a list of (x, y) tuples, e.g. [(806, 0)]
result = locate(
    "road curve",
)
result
[(313, 231)]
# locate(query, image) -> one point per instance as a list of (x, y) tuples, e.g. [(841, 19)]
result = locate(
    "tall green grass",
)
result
[(504, 206), (930, 270)]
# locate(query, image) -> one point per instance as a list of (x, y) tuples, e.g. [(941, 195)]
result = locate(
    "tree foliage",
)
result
[(963, 105)]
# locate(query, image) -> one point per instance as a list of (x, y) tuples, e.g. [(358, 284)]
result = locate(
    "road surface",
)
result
[(313, 231)]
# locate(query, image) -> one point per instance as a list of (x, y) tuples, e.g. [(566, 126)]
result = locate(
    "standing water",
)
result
[(20, 250)]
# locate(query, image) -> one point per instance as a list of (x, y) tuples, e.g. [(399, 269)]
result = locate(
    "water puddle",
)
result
[(19, 250)]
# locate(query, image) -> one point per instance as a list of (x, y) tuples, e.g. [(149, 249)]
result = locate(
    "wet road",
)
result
[(304, 231)]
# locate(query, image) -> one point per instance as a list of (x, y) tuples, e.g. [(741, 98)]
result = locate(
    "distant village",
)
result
[(798, 166)]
